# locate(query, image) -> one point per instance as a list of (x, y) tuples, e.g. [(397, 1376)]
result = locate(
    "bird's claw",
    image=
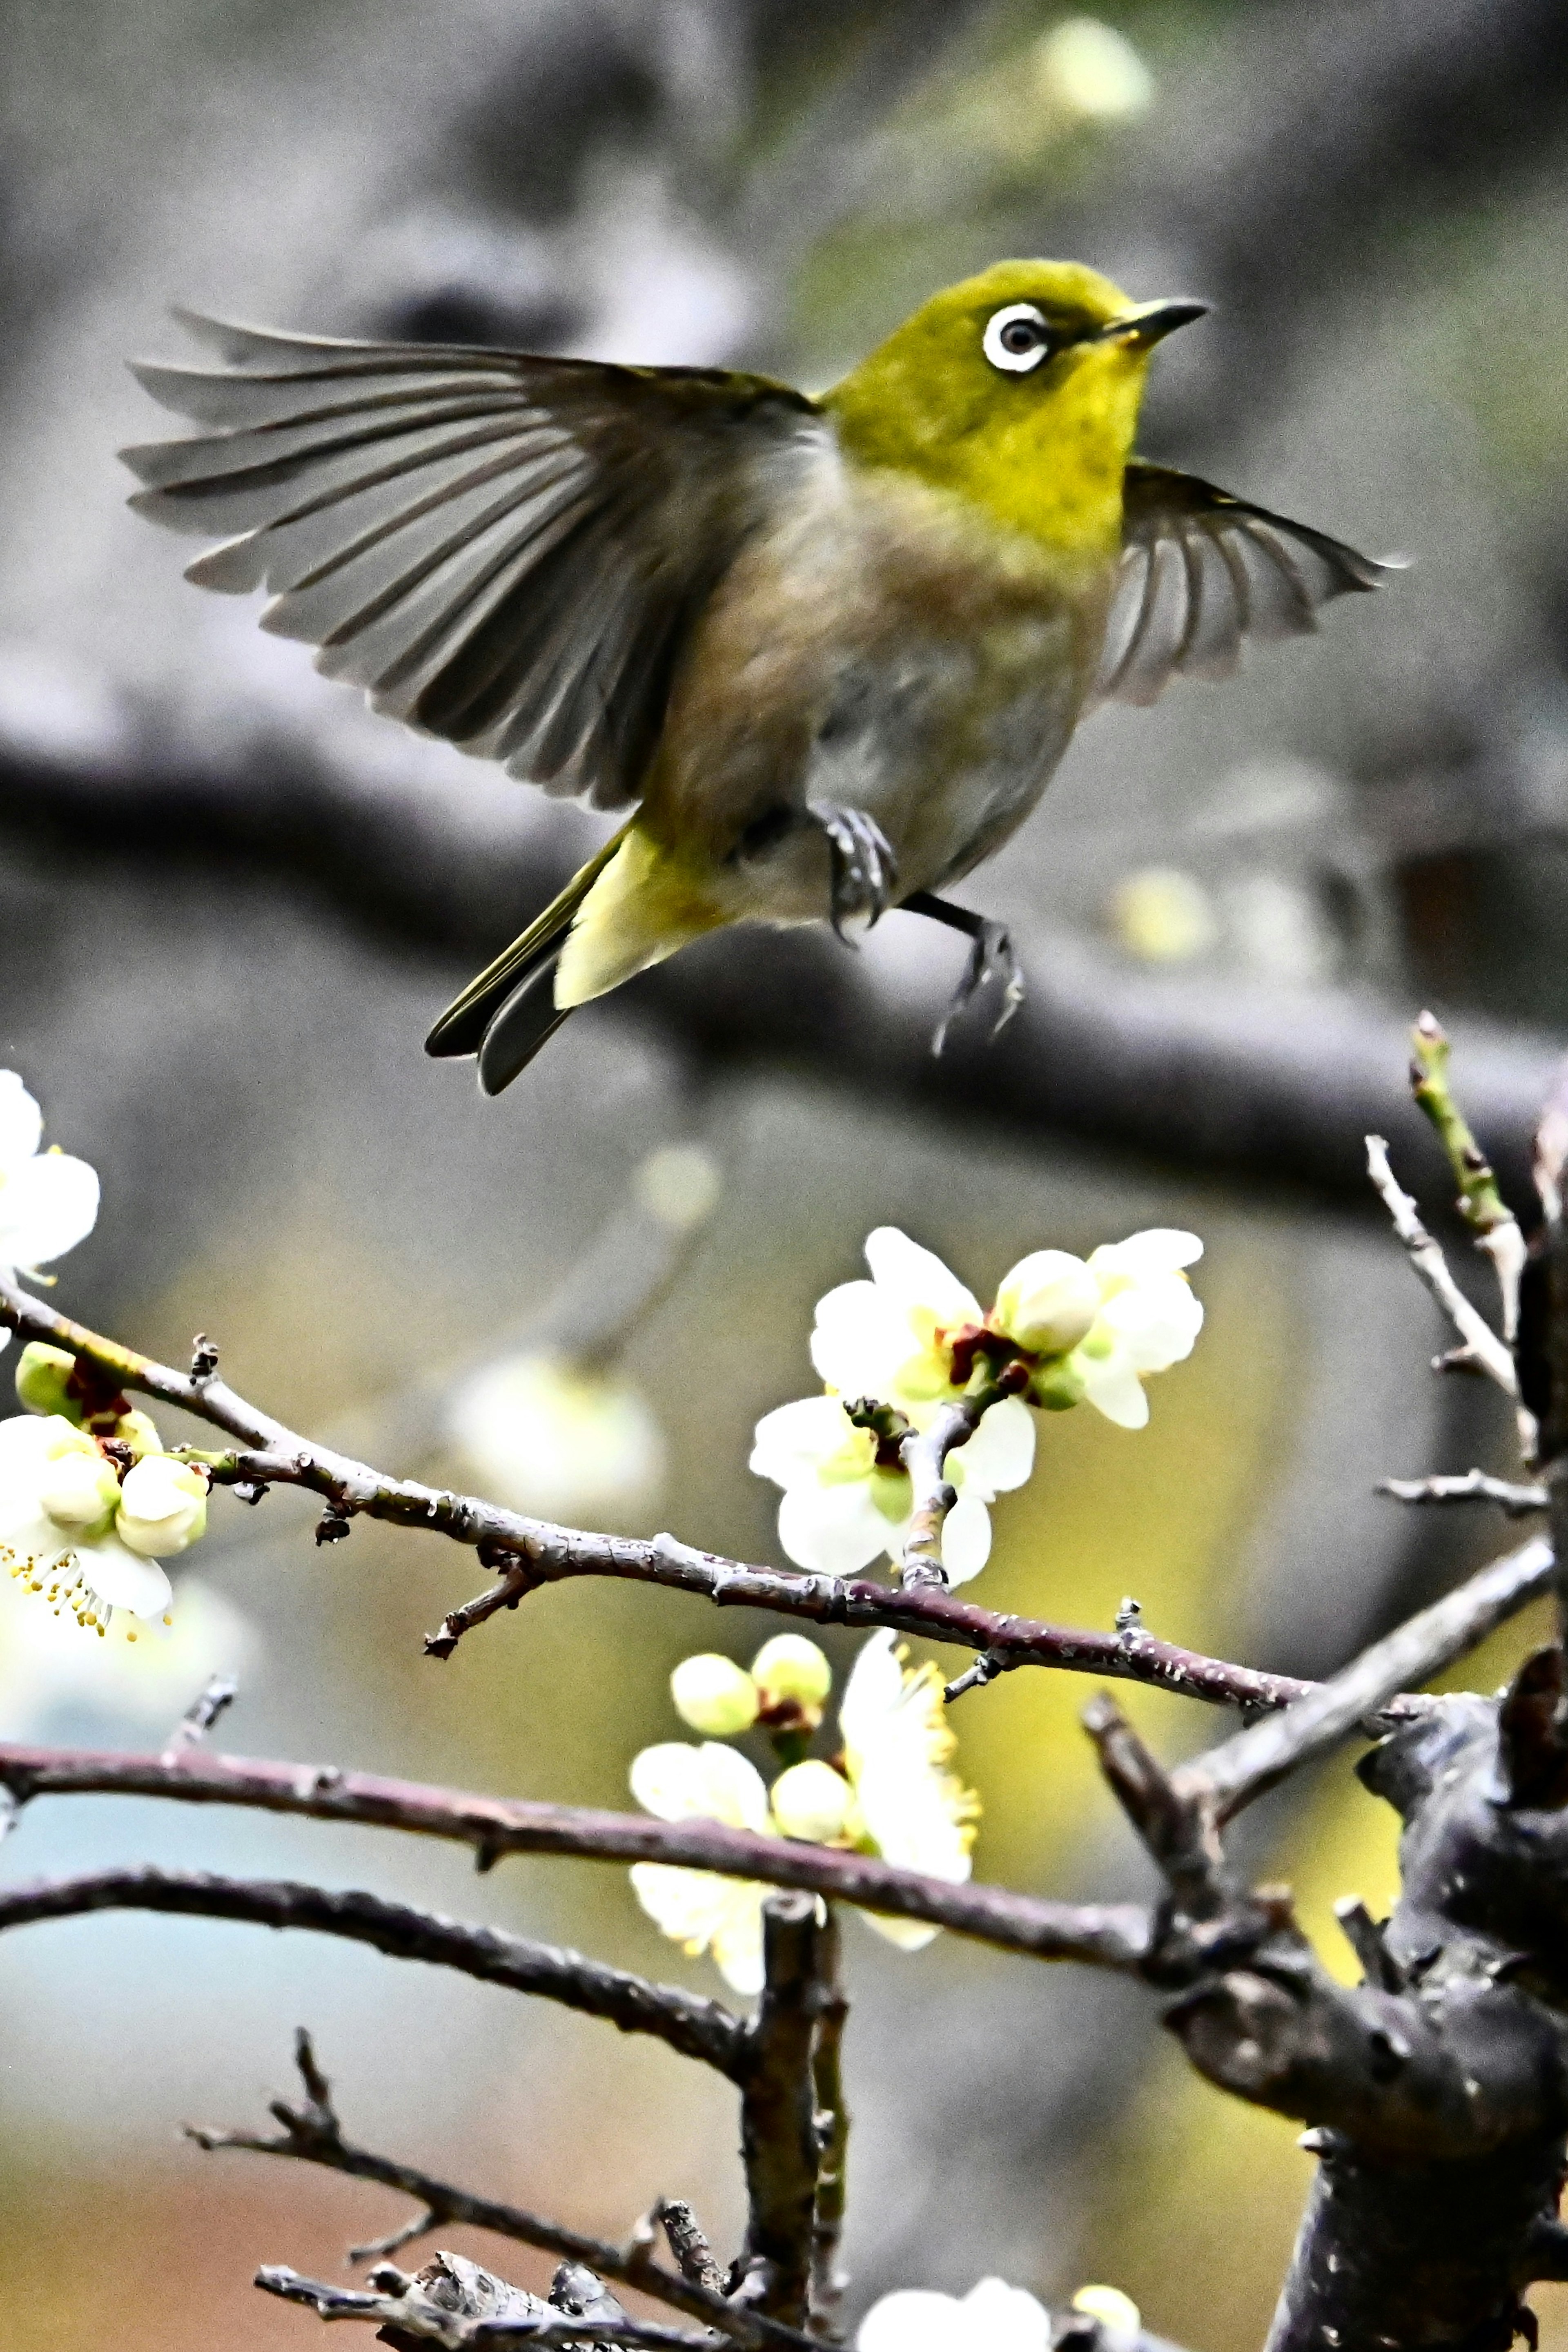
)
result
[(864, 869), (992, 956)]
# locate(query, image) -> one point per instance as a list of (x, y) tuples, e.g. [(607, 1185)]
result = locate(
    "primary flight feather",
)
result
[(830, 651)]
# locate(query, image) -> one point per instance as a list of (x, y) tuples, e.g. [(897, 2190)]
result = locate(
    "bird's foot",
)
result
[(992, 956), (864, 869)]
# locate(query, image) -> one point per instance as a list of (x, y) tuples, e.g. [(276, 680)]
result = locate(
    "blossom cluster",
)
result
[(992, 2318), (90, 1505), (893, 1350), (888, 1791)]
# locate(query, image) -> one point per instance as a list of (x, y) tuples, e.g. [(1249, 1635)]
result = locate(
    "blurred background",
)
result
[(231, 902)]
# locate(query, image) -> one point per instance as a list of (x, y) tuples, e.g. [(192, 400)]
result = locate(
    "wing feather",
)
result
[(505, 551), (1201, 572)]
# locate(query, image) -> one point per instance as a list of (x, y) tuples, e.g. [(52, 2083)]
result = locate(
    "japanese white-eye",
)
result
[(830, 650)]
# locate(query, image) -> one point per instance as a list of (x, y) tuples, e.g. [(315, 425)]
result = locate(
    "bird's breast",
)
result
[(881, 648)]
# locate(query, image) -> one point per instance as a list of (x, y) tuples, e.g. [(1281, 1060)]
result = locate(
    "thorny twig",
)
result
[(1481, 1344), (312, 2134)]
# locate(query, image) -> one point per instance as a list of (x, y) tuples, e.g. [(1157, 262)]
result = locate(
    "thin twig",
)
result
[(1480, 1204), (199, 1718), (1106, 1934), (1482, 1346), (530, 1552), (1467, 1487), (694, 2027), (312, 2134), (1240, 1769), (925, 1456)]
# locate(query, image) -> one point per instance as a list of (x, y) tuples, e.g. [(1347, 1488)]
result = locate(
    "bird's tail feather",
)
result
[(524, 974)]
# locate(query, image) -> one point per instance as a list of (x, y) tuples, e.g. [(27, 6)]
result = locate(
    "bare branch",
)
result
[(311, 2134), (399, 2304), (1241, 1768), (1468, 1487), (689, 2244), (532, 1552), (925, 1456), (778, 2143), (1482, 1346), (828, 2282), (694, 2027), (1107, 1935)]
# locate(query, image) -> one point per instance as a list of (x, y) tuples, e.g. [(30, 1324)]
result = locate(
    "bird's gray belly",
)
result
[(947, 744)]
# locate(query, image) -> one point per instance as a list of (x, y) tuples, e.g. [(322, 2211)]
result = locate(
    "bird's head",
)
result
[(1019, 390)]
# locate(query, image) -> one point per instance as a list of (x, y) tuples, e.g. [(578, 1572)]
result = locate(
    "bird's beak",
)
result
[(1150, 323)]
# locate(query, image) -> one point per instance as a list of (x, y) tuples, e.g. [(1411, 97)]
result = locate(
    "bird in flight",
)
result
[(827, 651)]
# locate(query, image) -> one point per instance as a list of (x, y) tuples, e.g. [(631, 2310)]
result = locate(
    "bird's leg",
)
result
[(991, 955), (864, 869)]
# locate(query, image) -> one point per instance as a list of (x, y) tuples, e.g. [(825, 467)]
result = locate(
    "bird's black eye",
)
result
[(1016, 339)]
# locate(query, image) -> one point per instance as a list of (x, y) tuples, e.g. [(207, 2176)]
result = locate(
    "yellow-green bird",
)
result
[(830, 650)]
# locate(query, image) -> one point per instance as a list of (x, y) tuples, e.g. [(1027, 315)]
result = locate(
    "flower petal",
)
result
[(912, 2318), (1163, 1249), (858, 1340), (916, 1279), (47, 1206), (1112, 1387), (122, 1579), (702, 1911), (1007, 2318), (966, 1539), (21, 1123), (1158, 1320), (834, 1530), (678, 1783), (793, 1440), (909, 1935), (1000, 1455)]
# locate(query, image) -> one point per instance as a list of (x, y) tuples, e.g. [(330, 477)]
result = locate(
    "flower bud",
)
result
[(1120, 2321), (79, 1491), (812, 1802), (162, 1507), (714, 1696), (137, 1431), (42, 1374), (1056, 1386), (790, 1667), (1048, 1302)]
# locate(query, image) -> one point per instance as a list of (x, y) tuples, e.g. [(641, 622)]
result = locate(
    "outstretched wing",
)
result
[(1201, 572), (503, 550)]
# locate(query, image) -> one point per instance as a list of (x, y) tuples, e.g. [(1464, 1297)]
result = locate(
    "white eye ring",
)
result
[(994, 345)]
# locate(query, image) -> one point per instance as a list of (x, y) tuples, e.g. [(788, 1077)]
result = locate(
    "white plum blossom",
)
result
[(889, 1337), (48, 1201), (992, 2318), (696, 1908), (898, 1747), (845, 1503), (70, 1530), (1148, 1320), (894, 1797)]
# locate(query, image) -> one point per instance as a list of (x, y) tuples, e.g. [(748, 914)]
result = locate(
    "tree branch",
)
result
[(778, 2143), (399, 2305), (828, 2282), (1241, 1768), (693, 2027), (532, 1552), (312, 2134), (1106, 1934)]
